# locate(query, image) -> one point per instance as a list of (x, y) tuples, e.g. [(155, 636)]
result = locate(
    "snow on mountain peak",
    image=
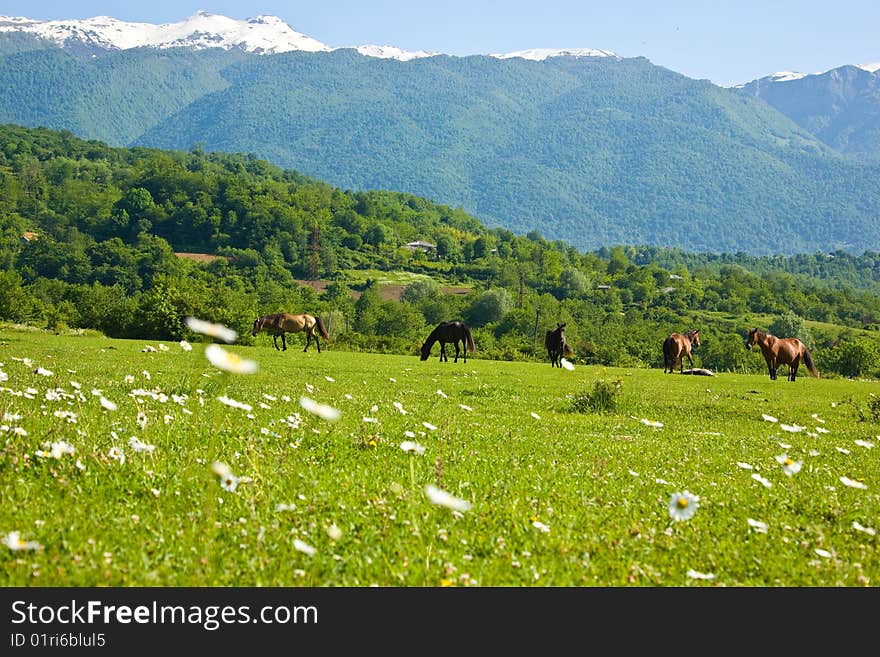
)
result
[(871, 68), (787, 76), (390, 52), (540, 54)]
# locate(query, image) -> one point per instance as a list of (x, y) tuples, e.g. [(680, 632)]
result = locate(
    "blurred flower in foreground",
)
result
[(214, 330), (304, 547), (229, 362), (757, 525), (13, 541), (323, 411), (442, 498), (789, 465), (683, 506)]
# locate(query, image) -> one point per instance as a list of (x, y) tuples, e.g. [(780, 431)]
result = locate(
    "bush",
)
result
[(603, 398)]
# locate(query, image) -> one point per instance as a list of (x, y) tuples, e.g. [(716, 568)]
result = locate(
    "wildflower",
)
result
[(789, 465), (334, 532), (214, 330), (330, 379), (442, 498), (540, 526), (822, 553), (229, 362), (852, 483), (186, 346), (75, 384), (566, 364), (757, 525), (163, 347), (13, 541), (80, 465), (791, 428), (223, 399), (745, 466), (761, 480), (106, 403), (867, 444), (43, 372), (129, 378), (429, 426), (842, 450), (535, 415), (148, 349), (229, 482), (822, 430), (652, 423), (409, 434), (141, 420), (768, 418), (441, 393), (323, 411), (870, 531), (117, 455), (410, 446), (683, 506), (399, 407), (693, 574), (139, 446), (464, 407), (304, 547)]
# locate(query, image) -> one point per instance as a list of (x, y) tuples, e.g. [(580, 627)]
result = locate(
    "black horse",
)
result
[(556, 345), (454, 332)]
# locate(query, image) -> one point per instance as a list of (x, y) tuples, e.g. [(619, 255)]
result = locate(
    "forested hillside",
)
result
[(594, 151), (89, 233)]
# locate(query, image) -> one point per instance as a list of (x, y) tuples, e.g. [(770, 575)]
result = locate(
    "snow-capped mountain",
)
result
[(265, 35)]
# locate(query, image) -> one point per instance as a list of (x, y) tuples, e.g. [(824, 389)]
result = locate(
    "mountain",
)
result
[(580, 145), (841, 106)]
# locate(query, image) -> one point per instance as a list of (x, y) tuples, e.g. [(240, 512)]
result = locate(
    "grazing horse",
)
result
[(453, 332), (281, 323), (781, 351), (556, 345), (678, 346)]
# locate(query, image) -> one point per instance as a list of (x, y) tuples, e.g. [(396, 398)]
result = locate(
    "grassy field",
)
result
[(557, 497)]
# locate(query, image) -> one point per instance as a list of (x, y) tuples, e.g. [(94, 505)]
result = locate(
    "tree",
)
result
[(789, 325)]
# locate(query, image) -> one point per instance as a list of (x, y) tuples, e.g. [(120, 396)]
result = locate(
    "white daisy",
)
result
[(822, 430), (229, 362), (13, 541), (757, 525), (540, 526), (163, 347), (129, 378), (229, 482), (852, 483), (683, 506), (410, 446), (186, 346), (441, 393), (323, 411), (535, 415), (465, 407), (694, 574), (768, 418), (761, 480), (789, 466), (139, 446), (214, 330), (442, 498), (870, 531), (109, 405), (867, 444), (304, 547), (43, 372), (652, 423), (223, 399), (429, 426), (116, 454), (409, 434), (822, 553), (791, 428), (334, 532), (842, 450), (745, 466), (399, 407)]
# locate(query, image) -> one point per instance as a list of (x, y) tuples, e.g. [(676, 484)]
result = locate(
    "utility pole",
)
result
[(535, 338)]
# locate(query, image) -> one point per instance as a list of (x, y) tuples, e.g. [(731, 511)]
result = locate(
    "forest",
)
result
[(91, 238)]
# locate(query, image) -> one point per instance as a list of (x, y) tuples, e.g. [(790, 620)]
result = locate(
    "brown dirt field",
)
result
[(198, 257)]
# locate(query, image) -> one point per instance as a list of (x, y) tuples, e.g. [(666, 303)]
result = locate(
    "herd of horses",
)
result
[(676, 347)]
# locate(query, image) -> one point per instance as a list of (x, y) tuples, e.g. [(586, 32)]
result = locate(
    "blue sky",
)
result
[(725, 41)]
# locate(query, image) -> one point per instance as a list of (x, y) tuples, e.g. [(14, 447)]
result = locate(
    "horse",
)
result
[(281, 323), (556, 345), (781, 351), (678, 346), (453, 332)]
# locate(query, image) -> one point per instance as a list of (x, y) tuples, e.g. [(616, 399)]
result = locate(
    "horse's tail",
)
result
[(470, 340), (808, 361), (322, 329), (567, 349)]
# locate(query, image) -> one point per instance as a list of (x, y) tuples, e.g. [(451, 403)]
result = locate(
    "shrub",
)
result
[(603, 398)]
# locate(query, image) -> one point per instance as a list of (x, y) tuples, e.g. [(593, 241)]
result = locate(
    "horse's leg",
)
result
[(275, 340), (456, 351), (690, 359), (317, 344), (308, 340)]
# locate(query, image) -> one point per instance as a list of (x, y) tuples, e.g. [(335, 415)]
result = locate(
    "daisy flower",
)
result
[(535, 415), (323, 411), (141, 420), (652, 423), (139, 446), (229, 482), (683, 506), (399, 407), (852, 483), (304, 547), (334, 532), (465, 407), (410, 446), (745, 466), (870, 531), (867, 444), (442, 498), (822, 553), (214, 330), (116, 454), (430, 426), (791, 428), (229, 362), (540, 526), (186, 346), (441, 393), (694, 574), (13, 541), (223, 399), (106, 403), (761, 480), (789, 465), (757, 525), (768, 418)]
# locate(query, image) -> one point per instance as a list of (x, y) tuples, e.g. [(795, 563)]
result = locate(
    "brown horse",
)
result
[(781, 351), (453, 332), (281, 323), (678, 346), (556, 345)]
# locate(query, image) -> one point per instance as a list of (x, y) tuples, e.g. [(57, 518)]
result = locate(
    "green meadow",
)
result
[(107, 471)]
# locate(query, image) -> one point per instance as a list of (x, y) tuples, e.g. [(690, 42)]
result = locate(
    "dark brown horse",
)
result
[(782, 351), (281, 323), (453, 332), (677, 347), (556, 345)]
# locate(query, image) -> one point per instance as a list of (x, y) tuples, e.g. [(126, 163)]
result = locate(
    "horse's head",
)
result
[(694, 337), (426, 351), (258, 324), (752, 340)]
